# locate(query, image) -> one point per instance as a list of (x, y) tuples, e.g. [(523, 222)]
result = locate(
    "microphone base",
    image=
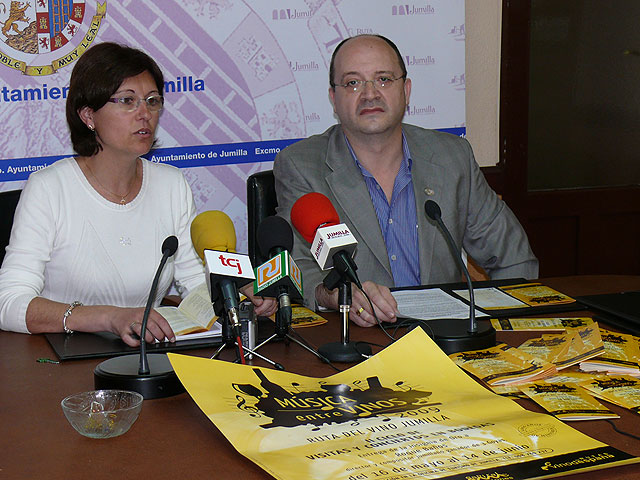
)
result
[(339, 352), (453, 336), (121, 373)]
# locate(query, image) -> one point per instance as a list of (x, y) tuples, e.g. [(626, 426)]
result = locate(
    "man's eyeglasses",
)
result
[(379, 83), (130, 104)]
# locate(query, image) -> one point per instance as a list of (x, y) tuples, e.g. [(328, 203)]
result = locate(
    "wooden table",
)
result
[(172, 437)]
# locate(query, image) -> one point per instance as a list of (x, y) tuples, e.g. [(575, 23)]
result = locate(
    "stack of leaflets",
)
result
[(621, 355), (503, 365), (622, 390), (566, 401), (567, 348)]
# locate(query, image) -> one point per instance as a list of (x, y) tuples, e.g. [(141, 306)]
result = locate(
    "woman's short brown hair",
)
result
[(96, 76)]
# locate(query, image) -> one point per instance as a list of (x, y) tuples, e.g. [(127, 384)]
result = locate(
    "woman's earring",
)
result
[(91, 127)]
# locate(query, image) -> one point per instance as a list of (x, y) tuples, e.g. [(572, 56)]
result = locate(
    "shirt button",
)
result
[(393, 257), (390, 220)]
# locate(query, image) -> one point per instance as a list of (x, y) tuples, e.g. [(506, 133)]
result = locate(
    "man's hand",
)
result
[(360, 313), (264, 307)]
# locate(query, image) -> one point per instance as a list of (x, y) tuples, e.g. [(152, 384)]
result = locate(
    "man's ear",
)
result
[(332, 93), (407, 90)]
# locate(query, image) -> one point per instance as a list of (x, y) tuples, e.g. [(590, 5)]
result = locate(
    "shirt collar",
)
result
[(405, 166)]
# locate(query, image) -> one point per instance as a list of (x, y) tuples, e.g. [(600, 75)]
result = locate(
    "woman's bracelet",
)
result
[(67, 314)]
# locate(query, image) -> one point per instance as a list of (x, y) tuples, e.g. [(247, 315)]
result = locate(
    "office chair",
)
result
[(8, 203), (262, 203)]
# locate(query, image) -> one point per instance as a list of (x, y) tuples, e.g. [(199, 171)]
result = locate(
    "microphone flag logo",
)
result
[(296, 275), (273, 271), (330, 240), (228, 264), (231, 262), (270, 271)]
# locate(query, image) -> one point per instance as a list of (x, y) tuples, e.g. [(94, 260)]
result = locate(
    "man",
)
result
[(378, 173)]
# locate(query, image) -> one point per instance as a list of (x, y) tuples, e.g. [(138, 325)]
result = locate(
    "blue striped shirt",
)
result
[(398, 220)]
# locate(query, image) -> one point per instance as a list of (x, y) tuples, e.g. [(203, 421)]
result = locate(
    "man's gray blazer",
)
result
[(443, 170)]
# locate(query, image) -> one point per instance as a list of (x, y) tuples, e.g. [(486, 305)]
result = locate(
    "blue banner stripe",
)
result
[(230, 153), (182, 157)]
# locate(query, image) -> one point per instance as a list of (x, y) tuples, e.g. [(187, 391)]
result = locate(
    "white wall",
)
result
[(483, 20)]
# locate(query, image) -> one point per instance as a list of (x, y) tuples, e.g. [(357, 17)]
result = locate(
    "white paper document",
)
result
[(491, 297), (430, 304)]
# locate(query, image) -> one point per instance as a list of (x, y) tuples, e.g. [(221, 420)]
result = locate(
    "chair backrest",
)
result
[(8, 203), (261, 203)]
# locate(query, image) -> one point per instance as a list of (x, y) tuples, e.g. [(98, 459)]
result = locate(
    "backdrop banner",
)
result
[(243, 79)]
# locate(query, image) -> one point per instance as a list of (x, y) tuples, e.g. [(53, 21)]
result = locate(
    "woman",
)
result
[(87, 235)]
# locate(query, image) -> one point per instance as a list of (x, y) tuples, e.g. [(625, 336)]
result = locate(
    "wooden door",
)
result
[(570, 132)]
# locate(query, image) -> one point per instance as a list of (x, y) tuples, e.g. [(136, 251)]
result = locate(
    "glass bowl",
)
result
[(102, 413)]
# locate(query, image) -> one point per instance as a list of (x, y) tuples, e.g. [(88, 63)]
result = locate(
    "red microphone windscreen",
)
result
[(312, 211)]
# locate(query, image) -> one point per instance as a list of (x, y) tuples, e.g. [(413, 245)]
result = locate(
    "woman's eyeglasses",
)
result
[(130, 104)]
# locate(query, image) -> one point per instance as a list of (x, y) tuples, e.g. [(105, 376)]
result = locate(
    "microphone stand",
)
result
[(152, 376), (454, 335), (343, 351), (283, 326), (230, 337)]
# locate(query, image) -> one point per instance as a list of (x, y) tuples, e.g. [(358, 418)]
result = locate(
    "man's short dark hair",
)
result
[(389, 42), (96, 76)]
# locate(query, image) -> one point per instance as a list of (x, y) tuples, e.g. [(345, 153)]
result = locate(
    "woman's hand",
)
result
[(45, 315), (127, 323)]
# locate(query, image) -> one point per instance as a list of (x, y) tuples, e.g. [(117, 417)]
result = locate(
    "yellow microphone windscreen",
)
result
[(213, 230)]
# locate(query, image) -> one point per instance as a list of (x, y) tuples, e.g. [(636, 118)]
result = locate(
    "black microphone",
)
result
[(169, 247), (449, 336), (152, 376), (274, 278), (274, 236)]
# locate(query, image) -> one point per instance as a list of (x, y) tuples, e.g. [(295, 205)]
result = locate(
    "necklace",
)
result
[(123, 198)]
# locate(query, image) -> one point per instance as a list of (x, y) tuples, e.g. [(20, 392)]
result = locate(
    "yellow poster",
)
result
[(408, 412)]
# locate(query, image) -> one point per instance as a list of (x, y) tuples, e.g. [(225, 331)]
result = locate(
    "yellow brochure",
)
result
[(385, 418), (621, 355), (567, 348), (622, 390), (503, 365), (303, 317), (506, 390), (592, 343), (570, 375), (536, 294), (532, 324), (583, 343), (567, 401), (548, 348)]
